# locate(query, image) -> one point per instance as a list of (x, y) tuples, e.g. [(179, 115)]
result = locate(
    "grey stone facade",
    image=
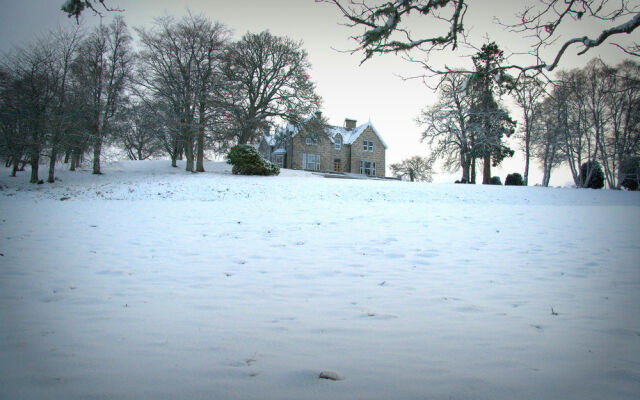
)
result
[(354, 149)]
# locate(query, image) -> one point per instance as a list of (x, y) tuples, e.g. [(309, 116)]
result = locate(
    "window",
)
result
[(312, 141), (337, 165), (311, 161), (368, 168), (367, 145), (338, 144)]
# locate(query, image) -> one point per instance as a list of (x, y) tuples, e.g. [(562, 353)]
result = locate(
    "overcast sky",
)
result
[(372, 91)]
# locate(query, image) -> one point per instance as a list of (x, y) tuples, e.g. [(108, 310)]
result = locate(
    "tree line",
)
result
[(587, 119), (187, 89)]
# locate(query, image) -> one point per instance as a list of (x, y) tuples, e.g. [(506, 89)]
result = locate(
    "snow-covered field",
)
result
[(151, 283)]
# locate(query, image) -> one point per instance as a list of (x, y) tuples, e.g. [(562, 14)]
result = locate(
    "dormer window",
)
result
[(312, 141), (338, 142), (367, 145)]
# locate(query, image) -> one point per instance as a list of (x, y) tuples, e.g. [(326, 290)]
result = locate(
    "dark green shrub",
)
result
[(596, 180), (514, 179), (495, 180), (247, 161)]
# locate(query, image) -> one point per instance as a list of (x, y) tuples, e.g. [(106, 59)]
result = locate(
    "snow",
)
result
[(152, 283), (349, 135)]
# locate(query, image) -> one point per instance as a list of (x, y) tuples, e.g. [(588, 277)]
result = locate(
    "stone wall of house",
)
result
[(349, 155), (325, 149), (358, 153)]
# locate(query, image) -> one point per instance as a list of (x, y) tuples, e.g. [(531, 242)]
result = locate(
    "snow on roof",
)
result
[(271, 141), (348, 135)]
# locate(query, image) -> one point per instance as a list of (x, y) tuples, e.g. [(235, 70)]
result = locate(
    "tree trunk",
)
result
[(35, 161), (188, 151), (200, 139), (97, 148), (52, 165), (16, 163), (200, 150), (486, 170), (67, 154), (75, 159), (527, 155), (473, 170), (464, 162)]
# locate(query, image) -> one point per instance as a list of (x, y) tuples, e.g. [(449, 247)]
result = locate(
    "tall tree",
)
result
[(181, 63), (527, 93), (547, 125), (267, 77), (447, 125), (103, 68), (488, 120), (65, 46), (30, 94), (621, 140)]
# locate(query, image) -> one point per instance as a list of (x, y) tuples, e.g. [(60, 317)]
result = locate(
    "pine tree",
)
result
[(489, 121)]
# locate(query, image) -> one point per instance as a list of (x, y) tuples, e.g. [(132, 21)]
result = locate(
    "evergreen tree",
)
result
[(591, 175), (489, 121)]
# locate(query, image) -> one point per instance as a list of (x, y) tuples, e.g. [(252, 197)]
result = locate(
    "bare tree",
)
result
[(181, 65), (621, 139), (446, 125), (103, 68), (386, 27), (65, 46), (138, 132), (415, 168), (29, 96), (267, 77), (546, 131), (527, 92)]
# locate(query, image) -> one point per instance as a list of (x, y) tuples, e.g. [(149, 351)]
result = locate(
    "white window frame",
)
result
[(311, 161), (338, 144), (311, 142), (367, 145)]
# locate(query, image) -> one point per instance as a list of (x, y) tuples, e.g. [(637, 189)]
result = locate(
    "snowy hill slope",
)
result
[(149, 282)]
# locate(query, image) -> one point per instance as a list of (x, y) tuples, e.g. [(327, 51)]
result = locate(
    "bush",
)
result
[(247, 161), (630, 173), (596, 181), (495, 181), (514, 179)]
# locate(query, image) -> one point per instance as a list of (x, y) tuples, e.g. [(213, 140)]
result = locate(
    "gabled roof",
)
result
[(348, 135)]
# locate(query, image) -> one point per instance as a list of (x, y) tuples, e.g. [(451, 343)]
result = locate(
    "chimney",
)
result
[(350, 124)]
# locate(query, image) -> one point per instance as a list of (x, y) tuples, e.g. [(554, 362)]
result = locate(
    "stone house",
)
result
[(347, 148)]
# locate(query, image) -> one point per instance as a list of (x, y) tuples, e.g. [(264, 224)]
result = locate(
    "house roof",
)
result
[(348, 135)]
